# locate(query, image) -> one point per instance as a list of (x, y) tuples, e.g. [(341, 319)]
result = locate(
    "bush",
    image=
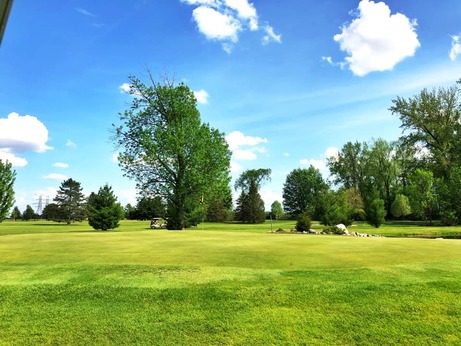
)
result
[(376, 213), (303, 223), (333, 230), (448, 218)]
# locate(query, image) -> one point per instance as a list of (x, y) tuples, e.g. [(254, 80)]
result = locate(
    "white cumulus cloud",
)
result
[(223, 20), (237, 139), (201, 96), (19, 134), (377, 40), (244, 148), (455, 48), (124, 88)]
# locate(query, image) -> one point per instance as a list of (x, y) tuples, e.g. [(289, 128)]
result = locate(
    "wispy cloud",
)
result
[(56, 176), (85, 12), (376, 40), (455, 48), (71, 144), (61, 165)]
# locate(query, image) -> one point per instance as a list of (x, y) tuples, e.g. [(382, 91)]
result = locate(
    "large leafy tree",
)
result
[(432, 120), (302, 191), (104, 212), (421, 193), (168, 151), (7, 178), (250, 206), (70, 201)]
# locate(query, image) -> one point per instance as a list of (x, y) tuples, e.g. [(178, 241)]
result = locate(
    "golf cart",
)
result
[(157, 222)]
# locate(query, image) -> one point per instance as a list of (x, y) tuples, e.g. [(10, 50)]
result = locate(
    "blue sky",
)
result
[(288, 84)]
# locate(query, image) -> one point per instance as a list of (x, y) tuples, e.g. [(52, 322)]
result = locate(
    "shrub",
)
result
[(303, 223), (376, 213), (448, 218), (332, 230)]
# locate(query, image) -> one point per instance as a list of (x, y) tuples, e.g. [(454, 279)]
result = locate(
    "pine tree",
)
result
[(7, 178), (104, 212), (16, 214), (28, 214), (70, 201)]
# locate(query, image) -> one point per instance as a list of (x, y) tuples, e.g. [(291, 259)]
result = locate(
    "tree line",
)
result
[(182, 169)]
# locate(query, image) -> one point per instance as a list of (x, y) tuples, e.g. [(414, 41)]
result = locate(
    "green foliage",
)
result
[(302, 190), (376, 213), (147, 208), (52, 212), (250, 206), (401, 206), (432, 119), (169, 152), (104, 212), (336, 209), (7, 179), (303, 222), (29, 213), (70, 201), (276, 210), (16, 214), (422, 196), (332, 229)]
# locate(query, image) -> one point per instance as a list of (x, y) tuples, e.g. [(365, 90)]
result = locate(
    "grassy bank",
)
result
[(228, 286)]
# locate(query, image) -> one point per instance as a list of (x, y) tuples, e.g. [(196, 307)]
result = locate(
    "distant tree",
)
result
[(51, 212), (169, 151), (28, 214), (303, 222), (250, 206), (219, 207), (302, 190), (147, 208), (376, 213), (7, 178), (337, 209), (104, 212), (71, 201), (129, 211), (421, 193), (401, 206), (276, 210), (16, 214)]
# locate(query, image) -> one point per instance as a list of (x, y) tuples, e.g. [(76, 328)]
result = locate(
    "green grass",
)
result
[(225, 285)]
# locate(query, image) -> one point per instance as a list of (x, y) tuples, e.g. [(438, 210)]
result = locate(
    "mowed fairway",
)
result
[(68, 285)]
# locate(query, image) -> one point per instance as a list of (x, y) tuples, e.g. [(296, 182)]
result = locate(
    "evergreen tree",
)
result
[(16, 214), (376, 213), (104, 212), (70, 201), (51, 212), (7, 178), (28, 214), (250, 206)]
